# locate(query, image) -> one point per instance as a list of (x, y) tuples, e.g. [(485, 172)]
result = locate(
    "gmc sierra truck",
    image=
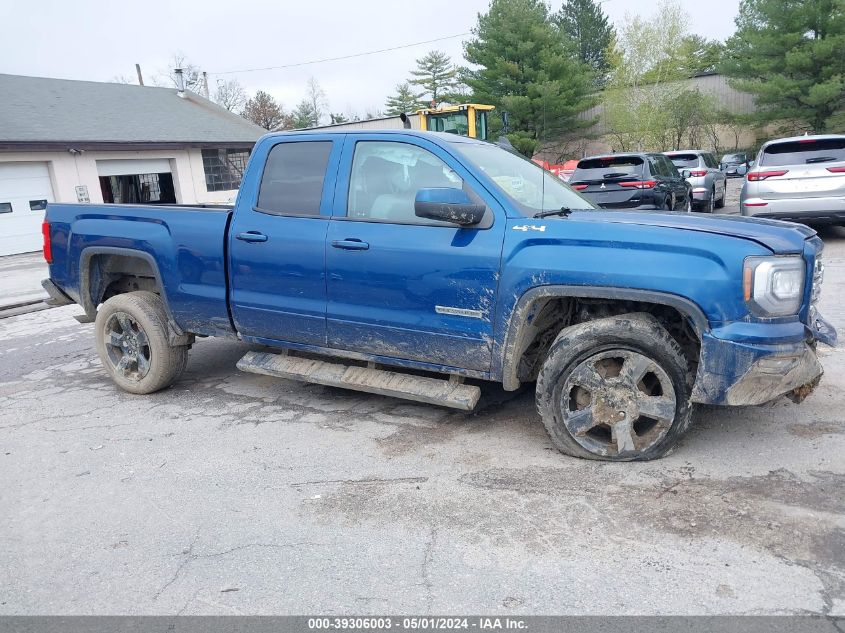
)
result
[(403, 263)]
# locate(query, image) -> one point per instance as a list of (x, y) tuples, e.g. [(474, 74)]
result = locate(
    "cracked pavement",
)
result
[(232, 493)]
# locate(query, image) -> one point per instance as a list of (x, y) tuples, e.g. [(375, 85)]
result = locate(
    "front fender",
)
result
[(517, 334)]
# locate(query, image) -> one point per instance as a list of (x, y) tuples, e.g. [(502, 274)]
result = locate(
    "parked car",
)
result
[(633, 181), (800, 178), (708, 182), (735, 165), (384, 254)]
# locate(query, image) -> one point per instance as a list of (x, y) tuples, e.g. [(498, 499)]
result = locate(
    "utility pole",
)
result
[(140, 77), (205, 84)]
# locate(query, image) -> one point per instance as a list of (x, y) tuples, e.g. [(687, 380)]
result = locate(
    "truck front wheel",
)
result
[(615, 389), (132, 341)]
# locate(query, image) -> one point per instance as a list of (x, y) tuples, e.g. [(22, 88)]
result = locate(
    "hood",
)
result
[(779, 237)]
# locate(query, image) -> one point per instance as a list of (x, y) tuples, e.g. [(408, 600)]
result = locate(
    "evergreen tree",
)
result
[(436, 75), (526, 70), (405, 100), (586, 26), (697, 54), (304, 115), (790, 54)]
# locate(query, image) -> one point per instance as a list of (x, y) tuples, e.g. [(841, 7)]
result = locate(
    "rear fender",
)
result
[(93, 283)]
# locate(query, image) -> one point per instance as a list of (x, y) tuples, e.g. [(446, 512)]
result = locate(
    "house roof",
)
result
[(43, 111)]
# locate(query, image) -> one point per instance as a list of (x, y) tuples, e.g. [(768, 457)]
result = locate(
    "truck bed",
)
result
[(183, 245)]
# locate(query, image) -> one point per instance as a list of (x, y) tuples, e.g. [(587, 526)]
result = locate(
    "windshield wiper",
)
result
[(563, 211), (820, 159)]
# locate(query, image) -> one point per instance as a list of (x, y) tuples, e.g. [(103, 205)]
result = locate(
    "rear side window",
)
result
[(682, 161), (608, 168), (804, 152), (292, 183)]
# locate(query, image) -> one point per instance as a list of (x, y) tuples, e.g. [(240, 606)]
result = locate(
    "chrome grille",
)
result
[(816, 291)]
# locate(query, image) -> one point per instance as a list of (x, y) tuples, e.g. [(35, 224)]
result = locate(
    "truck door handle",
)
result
[(351, 244), (251, 236)]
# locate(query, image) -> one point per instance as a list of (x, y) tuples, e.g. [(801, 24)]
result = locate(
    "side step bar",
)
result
[(446, 393)]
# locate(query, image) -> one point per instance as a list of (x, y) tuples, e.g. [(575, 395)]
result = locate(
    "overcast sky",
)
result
[(98, 40)]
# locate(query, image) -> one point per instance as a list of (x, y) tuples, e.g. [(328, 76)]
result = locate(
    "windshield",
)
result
[(733, 158), (530, 187), (804, 152), (684, 160), (608, 168)]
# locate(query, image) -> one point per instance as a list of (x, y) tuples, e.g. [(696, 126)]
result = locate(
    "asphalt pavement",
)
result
[(232, 493)]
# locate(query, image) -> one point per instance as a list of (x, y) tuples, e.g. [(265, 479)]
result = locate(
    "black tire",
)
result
[(707, 205), (720, 203), (132, 340), (637, 339), (667, 206)]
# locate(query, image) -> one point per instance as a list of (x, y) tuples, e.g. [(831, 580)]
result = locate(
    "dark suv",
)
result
[(633, 181)]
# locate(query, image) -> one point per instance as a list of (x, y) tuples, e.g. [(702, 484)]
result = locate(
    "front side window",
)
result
[(386, 177), (224, 168), (532, 189), (668, 168), (656, 167), (292, 183)]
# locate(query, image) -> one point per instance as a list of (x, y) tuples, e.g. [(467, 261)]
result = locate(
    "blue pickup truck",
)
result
[(404, 263)]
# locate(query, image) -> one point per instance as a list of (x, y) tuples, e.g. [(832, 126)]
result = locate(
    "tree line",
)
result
[(547, 67)]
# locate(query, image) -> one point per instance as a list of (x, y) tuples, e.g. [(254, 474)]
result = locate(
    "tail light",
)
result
[(836, 170), (48, 245), (697, 173), (579, 187), (639, 184), (754, 176)]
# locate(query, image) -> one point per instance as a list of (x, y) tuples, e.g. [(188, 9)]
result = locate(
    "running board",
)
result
[(446, 393)]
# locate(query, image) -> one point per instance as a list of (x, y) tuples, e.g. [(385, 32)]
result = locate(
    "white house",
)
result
[(81, 141)]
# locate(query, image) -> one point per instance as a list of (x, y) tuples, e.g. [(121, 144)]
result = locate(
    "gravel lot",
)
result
[(232, 494)]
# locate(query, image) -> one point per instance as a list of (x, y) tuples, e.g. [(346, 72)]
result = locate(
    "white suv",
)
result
[(800, 178)]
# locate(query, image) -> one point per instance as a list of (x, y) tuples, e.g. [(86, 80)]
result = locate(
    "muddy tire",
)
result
[(132, 340), (615, 389)]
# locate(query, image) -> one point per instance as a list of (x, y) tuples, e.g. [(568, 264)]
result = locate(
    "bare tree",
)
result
[(122, 79), (231, 95), (316, 99), (265, 111)]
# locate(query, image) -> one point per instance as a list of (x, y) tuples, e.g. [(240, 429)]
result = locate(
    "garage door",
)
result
[(25, 190)]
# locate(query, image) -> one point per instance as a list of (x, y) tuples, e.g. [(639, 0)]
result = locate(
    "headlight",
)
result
[(774, 286)]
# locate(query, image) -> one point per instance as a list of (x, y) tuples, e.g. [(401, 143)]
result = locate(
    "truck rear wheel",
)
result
[(132, 340), (615, 389)]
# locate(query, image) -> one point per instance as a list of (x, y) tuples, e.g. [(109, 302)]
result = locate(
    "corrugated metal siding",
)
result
[(385, 123), (717, 86)]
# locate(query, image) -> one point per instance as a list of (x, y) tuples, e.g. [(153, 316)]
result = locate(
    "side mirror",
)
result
[(448, 205), (686, 173), (742, 169)]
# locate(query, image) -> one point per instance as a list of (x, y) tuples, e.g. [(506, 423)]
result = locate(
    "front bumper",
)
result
[(748, 372)]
